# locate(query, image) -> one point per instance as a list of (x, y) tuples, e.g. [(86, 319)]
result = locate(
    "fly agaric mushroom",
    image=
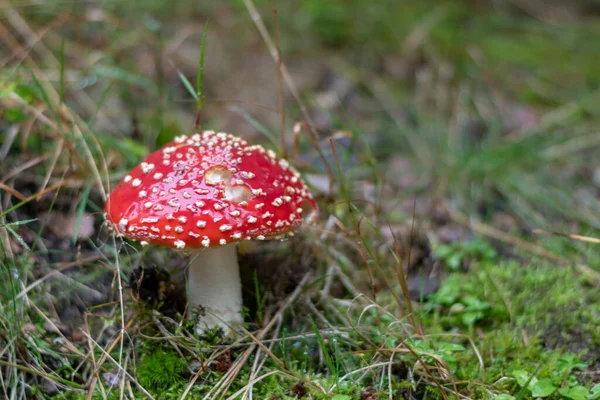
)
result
[(208, 191)]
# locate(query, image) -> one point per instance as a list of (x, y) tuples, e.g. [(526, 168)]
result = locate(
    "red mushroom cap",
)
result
[(209, 189)]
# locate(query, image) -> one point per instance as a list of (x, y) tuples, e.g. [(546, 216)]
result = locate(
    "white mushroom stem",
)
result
[(214, 285)]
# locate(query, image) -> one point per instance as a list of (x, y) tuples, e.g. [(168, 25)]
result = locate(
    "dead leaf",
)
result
[(299, 390), (223, 362)]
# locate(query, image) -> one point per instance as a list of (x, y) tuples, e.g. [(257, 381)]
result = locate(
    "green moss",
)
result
[(538, 319), (161, 369)]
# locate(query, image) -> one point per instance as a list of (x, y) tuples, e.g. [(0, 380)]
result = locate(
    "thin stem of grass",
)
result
[(42, 373), (280, 84)]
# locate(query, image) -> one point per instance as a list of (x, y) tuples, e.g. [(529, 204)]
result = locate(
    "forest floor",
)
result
[(454, 163)]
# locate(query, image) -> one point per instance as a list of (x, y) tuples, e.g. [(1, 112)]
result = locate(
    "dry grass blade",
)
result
[(592, 275), (494, 233), (119, 365), (280, 83), (70, 385), (298, 127), (57, 153), (581, 238), (13, 191), (264, 33), (227, 380), (63, 112), (258, 379)]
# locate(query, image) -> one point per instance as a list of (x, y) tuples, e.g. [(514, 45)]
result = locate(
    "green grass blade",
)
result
[(44, 95), (22, 222), (125, 76), (328, 359), (61, 84), (256, 125), (187, 84), (18, 237), (200, 96)]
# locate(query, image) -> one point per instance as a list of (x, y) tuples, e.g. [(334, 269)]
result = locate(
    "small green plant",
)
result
[(455, 255), (461, 302), (546, 387), (438, 349)]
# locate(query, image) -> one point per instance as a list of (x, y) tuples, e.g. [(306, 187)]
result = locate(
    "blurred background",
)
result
[(466, 136)]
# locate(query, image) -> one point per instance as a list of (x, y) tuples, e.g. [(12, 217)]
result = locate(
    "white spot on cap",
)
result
[(224, 228), (235, 213), (127, 179), (144, 243), (205, 242), (252, 219), (222, 242), (180, 244), (136, 182), (142, 194), (146, 167), (123, 222), (148, 204), (182, 219), (284, 164), (201, 224), (158, 175)]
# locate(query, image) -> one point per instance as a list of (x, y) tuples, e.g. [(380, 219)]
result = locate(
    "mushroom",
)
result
[(208, 191)]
